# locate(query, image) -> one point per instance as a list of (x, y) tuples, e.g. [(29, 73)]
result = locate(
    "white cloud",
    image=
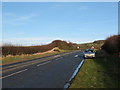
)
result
[(57, 6), (26, 17), (83, 8), (13, 19), (43, 40), (28, 41), (8, 14), (20, 33)]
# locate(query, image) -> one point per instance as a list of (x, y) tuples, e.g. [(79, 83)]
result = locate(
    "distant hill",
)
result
[(97, 44), (99, 41), (18, 50), (64, 45)]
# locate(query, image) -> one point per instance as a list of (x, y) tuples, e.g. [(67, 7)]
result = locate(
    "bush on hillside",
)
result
[(111, 44), (18, 50), (99, 41)]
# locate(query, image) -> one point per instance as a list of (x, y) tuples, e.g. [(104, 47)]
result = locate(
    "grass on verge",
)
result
[(101, 72), (18, 58)]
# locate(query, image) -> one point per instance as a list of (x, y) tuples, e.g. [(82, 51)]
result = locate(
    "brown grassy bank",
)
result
[(18, 58), (19, 50)]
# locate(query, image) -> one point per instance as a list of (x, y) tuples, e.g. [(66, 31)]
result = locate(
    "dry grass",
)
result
[(19, 50), (112, 45), (17, 58)]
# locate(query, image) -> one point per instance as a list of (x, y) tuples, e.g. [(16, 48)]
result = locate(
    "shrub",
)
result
[(56, 50), (18, 50), (111, 44)]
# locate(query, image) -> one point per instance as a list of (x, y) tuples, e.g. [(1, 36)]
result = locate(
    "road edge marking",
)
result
[(66, 86)]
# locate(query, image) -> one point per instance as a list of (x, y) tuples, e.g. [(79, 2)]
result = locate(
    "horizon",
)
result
[(5, 44), (30, 23)]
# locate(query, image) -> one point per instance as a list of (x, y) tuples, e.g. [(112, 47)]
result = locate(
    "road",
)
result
[(48, 72)]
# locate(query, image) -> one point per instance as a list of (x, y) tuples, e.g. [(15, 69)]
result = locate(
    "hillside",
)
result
[(19, 50), (97, 44), (111, 44)]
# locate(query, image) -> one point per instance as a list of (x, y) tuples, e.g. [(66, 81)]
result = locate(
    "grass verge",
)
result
[(101, 72), (18, 58)]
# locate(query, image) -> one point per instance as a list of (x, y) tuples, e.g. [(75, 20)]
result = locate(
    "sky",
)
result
[(38, 23)]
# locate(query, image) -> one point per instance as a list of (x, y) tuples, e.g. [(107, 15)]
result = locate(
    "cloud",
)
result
[(83, 8), (20, 33), (43, 40), (26, 17), (9, 14), (28, 41), (57, 6), (13, 19)]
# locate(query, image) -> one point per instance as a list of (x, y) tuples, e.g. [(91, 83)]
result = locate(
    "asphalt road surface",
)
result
[(48, 72)]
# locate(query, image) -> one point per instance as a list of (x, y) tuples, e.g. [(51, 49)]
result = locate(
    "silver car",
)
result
[(89, 53)]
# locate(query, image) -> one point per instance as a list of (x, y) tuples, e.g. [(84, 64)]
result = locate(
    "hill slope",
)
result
[(18, 50), (97, 44)]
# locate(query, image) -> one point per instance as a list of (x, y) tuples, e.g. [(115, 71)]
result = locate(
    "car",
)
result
[(89, 53)]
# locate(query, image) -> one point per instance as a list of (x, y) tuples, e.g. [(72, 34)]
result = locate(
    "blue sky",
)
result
[(36, 23)]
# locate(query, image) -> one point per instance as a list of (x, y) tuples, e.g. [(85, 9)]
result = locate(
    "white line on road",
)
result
[(13, 73), (73, 75), (76, 55), (43, 63), (58, 58), (76, 71)]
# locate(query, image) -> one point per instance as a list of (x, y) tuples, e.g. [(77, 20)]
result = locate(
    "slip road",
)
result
[(48, 72)]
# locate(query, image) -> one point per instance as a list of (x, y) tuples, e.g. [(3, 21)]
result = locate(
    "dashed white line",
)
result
[(76, 55), (58, 58), (43, 63), (13, 74)]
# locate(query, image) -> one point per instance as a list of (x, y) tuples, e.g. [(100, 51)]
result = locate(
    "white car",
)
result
[(89, 53)]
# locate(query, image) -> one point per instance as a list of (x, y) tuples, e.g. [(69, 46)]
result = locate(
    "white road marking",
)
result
[(13, 73), (43, 63), (76, 71), (76, 55), (58, 58), (73, 75)]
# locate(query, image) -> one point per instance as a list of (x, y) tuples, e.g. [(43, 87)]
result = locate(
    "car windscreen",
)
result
[(89, 51)]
